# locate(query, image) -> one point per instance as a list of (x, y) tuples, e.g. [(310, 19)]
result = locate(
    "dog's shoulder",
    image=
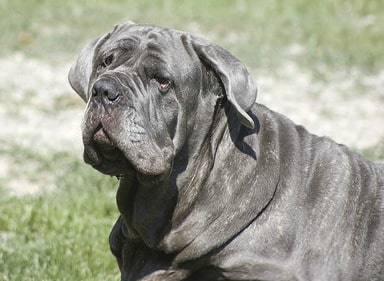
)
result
[(296, 142)]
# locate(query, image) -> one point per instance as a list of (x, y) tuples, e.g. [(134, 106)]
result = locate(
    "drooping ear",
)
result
[(81, 70), (240, 89)]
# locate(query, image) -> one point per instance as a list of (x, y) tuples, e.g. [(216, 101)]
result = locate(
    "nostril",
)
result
[(94, 92), (106, 90)]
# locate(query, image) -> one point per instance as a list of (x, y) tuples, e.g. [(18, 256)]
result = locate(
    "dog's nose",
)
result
[(105, 89)]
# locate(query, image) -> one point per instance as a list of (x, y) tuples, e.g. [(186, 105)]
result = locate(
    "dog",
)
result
[(213, 185)]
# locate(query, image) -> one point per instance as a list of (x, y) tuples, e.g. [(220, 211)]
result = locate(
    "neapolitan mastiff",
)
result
[(214, 186)]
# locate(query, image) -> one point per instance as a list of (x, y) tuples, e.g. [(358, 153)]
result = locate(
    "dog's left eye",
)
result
[(164, 83)]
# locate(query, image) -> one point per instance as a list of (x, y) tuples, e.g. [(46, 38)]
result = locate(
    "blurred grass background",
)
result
[(62, 235), (339, 34)]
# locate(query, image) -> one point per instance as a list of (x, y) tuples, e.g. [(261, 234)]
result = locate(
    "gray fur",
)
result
[(213, 185)]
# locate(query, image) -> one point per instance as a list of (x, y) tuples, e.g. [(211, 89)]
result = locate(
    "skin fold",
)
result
[(213, 185)]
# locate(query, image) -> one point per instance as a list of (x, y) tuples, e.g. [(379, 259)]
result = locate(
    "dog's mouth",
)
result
[(104, 156), (117, 146)]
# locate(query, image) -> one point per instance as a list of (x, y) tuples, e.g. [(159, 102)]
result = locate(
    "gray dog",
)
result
[(214, 186)]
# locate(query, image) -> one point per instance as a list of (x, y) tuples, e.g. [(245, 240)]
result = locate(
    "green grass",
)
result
[(376, 152), (338, 34), (62, 235)]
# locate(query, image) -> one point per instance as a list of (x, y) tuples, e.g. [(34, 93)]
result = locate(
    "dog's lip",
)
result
[(105, 157), (101, 138), (104, 152), (99, 147)]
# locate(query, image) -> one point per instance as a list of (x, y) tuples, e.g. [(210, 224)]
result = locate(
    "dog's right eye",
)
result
[(107, 61)]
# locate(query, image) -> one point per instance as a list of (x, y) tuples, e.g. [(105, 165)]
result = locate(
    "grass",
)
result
[(62, 235), (340, 34), (375, 153)]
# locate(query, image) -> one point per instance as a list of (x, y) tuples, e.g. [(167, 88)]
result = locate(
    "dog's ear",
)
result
[(81, 71), (240, 89)]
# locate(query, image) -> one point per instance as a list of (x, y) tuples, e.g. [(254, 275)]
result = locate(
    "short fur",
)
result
[(213, 185)]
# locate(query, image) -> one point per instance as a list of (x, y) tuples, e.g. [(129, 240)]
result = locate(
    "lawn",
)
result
[(62, 233), (336, 33), (59, 235)]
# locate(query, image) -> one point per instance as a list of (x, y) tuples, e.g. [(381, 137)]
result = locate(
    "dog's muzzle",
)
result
[(105, 90)]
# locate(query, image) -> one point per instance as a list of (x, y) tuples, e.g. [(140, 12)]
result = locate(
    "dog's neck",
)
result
[(195, 161), (167, 214), (149, 207), (212, 216)]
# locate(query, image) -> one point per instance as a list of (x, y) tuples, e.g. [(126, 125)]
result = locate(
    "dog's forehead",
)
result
[(135, 34)]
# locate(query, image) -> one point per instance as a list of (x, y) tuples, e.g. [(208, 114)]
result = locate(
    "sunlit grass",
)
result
[(338, 34), (63, 234)]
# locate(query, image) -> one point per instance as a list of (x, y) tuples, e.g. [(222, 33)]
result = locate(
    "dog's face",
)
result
[(145, 87)]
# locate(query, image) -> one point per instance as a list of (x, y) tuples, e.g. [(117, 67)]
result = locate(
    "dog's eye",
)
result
[(106, 61), (164, 83)]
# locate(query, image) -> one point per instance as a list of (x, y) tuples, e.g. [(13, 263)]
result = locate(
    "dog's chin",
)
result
[(102, 155), (111, 161)]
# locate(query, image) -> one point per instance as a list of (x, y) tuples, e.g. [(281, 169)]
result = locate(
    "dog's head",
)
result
[(148, 89)]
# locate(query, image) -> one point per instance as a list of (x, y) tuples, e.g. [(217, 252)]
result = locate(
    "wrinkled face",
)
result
[(134, 92), (148, 89)]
